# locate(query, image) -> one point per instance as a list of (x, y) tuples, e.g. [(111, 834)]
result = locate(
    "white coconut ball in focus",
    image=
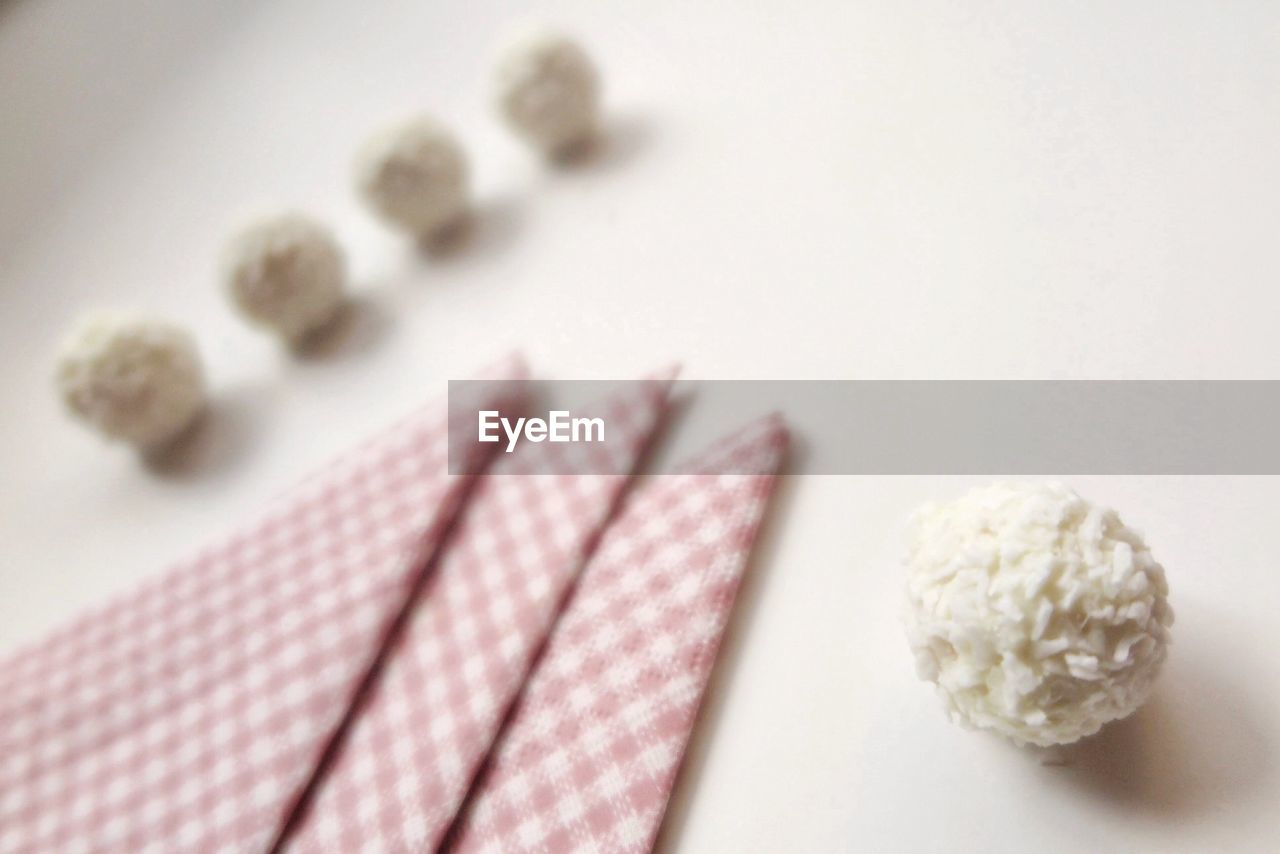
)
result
[(286, 272), (1037, 614), (548, 91), (414, 176), (132, 378)]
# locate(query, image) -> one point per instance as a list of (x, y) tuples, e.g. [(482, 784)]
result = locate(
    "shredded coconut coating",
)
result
[(1037, 614), (549, 91), (414, 176), (134, 379), (285, 272)]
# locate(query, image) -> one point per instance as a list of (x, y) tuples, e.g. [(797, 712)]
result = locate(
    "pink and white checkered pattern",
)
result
[(588, 757), (430, 716), (189, 715)]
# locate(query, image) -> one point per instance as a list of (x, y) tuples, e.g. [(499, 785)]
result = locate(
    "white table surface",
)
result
[(818, 190)]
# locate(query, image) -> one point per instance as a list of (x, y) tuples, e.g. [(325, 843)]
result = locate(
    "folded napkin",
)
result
[(588, 758), (190, 714), (397, 658), (430, 717)]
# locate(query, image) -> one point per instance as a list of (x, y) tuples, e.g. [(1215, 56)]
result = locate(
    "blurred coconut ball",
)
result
[(414, 176), (132, 378), (286, 272), (549, 91), (1037, 614)]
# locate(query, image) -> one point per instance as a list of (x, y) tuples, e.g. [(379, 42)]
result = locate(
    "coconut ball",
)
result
[(286, 272), (549, 92), (1037, 614), (414, 176), (133, 378)]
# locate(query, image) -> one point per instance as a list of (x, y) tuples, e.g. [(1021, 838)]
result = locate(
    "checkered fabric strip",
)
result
[(190, 713), (588, 758), (431, 714)]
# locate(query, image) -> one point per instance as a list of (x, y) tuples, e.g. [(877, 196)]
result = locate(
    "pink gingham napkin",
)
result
[(190, 714), (588, 757), (396, 780)]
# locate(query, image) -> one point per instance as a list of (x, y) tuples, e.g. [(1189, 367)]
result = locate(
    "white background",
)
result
[(820, 190)]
